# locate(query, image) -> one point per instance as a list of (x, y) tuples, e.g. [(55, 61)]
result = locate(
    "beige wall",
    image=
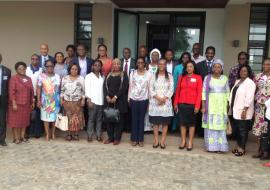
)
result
[(102, 25), (236, 28), (25, 25)]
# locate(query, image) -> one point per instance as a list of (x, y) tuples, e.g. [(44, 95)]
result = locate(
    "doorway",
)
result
[(162, 30)]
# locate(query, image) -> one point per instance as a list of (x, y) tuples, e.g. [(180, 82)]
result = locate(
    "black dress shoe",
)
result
[(3, 144)]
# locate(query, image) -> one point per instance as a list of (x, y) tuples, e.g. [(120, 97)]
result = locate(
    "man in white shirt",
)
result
[(128, 63), (196, 57), (82, 60)]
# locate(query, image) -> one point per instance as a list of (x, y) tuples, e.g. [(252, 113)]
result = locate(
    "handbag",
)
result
[(112, 114), (61, 121)]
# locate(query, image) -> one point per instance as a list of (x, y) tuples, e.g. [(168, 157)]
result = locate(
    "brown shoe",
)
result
[(116, 142), (99, 139), (133, 143), (108, 141), (89, 140), (141, 144)]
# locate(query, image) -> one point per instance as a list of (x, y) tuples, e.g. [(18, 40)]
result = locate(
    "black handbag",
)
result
[(112, 114)]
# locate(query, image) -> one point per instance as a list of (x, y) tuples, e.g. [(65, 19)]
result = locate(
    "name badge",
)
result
[(193, 80), (5, 77)]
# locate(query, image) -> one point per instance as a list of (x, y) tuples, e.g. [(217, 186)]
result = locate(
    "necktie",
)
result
[(126, 67), (209, 66)]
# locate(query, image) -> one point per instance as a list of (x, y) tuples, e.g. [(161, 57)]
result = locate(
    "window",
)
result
[(258, 42), (83, 25)]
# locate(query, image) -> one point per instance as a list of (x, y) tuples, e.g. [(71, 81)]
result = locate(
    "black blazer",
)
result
[(132, 65), (89, 62), (202, 69), (40, 60), (121, 93), (6, 74)]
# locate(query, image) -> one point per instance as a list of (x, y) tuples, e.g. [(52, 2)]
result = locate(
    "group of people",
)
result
[(155, 93)]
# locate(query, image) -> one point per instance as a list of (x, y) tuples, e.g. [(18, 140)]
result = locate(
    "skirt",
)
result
[(260, 125), (75, 115), (158, 120), (187, 117), (19, 118), (215, 140)]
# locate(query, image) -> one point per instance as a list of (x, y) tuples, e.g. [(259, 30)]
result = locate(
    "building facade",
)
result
[(231, 26)]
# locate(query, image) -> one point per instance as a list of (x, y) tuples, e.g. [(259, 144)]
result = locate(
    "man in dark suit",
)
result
[(204, 68), (171, 63), (143, 52), (128, 63), (82, 60), (44, 51), (5, 74)]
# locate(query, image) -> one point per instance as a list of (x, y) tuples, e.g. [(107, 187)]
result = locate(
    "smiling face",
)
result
[(155, 57), (21, 70), (49, 67), (266, 65), (59, 58), (35, 60), (143, 52), (169, 55), (242, 59), (116, 65), (97, 67), (243, 73), (217, 69), (190, 68), (44, 49), (74, 71), (185, 59), (70, 52), (140, 64), (102, 51), (81, 51), (210, 54), (162, 65), (196, 49), (126, 53)]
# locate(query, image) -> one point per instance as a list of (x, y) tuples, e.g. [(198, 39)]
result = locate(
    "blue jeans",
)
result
[(138, 111)]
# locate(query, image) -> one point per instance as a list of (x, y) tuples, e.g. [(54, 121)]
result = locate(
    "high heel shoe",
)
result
[(162, 146), (239, 154), (156, 145), (182, 147)]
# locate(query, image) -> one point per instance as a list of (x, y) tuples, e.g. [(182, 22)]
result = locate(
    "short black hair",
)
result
[(243, 53), (74, 64), (100, 62), (185, 68), (210, 48), (170, 50), (250, 73), (102, 45), (126, 48), (20, 63), (85, 47), (70, 46)]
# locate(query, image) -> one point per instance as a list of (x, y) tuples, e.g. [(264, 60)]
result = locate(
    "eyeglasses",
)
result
[(49, 66)]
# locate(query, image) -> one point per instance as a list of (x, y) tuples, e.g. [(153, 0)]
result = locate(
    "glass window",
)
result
[(258, 35), (83, 25)]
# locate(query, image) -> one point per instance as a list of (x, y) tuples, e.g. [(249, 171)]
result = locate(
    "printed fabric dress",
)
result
[(262, 95), (147, 125), (216, 94), (50, 96)]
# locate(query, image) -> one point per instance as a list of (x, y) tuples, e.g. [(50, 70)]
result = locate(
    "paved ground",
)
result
[(80, 165)]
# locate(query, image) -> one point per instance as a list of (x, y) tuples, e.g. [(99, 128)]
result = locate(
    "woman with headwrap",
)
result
[(152, 68), (215, 98)]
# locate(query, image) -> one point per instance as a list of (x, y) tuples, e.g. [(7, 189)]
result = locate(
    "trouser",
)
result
[(265, 139), (242, 127), (138, 111), (234, 129), (36, 126), (114, 130), (3, 122), (94, 120), (127, 121)]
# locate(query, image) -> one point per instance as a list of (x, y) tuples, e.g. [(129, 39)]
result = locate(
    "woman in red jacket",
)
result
[(21, 102), (187, 102)]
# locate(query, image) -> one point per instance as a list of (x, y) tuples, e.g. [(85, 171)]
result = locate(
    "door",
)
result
[(126, 32)]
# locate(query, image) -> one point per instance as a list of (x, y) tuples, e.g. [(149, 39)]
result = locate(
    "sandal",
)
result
[(234, 150), (239, 154), (76, 137), (68, 137), (24, 140), (17, 141)]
